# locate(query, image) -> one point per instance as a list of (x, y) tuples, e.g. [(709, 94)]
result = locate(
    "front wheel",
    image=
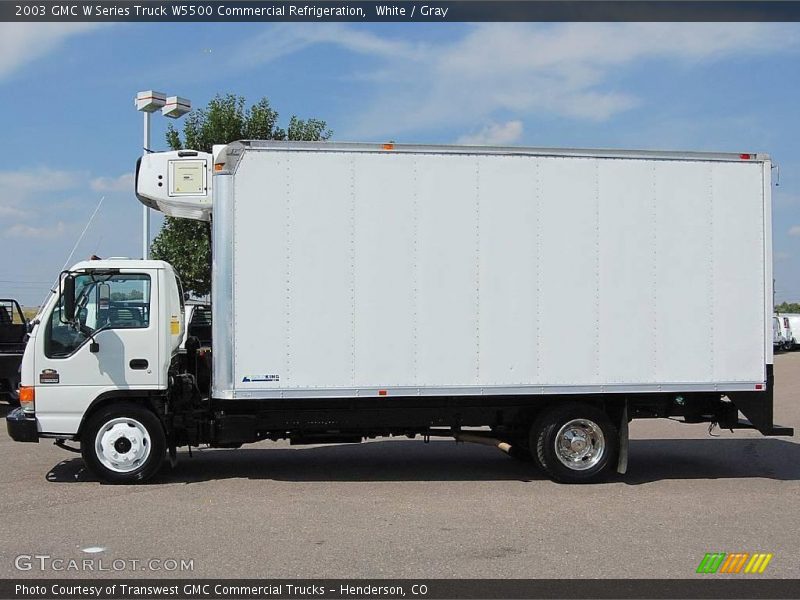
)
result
[(123, 443), (575, 443)]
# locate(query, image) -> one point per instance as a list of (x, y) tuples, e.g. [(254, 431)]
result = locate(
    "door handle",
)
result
[(138, 364)]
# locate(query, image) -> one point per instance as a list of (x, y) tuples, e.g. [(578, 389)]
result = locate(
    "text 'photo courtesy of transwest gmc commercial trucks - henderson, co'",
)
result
[(533, 299)]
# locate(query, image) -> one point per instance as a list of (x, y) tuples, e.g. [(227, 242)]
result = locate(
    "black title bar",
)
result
[(369, 11)]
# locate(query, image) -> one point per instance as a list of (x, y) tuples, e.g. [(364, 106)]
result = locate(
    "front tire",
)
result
[(575, 443), (123, 443)]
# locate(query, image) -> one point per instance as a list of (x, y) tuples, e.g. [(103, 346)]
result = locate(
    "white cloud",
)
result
[(28, 196), (123, 183), (22, 43), (494, 134), (19, 188), (282, 40), (24, 182), (794, 230), (565, 70), (7, 211), (37, 232)]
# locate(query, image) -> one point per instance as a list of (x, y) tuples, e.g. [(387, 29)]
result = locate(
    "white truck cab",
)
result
[(789, 340), (791, 322), (778, 340), (111, 332)]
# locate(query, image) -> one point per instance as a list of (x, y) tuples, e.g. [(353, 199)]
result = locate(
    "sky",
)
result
[(71, 134)]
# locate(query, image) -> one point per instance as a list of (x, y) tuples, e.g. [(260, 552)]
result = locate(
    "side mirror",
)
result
[(104, 296), (68, 292)]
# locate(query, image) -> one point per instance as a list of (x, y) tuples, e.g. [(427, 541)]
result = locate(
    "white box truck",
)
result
[(789, 324), (364, 290), (794, 326)]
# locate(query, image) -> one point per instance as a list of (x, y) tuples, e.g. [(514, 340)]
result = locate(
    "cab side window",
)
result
[(200, 327), (119, 301)]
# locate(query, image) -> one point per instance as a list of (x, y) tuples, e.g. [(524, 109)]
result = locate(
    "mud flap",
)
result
[(622, 461), (757, 407)]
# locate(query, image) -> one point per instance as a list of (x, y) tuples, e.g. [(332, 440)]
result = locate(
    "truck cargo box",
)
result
[(346, 270)]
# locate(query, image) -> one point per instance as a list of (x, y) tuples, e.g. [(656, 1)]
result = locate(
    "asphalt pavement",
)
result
[(406, 509)]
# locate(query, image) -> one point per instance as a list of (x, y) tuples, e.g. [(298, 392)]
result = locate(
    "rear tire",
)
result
[(575, 443), (123, 443)]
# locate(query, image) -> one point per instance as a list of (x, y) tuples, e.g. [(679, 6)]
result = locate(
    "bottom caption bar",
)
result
[(386, 589)]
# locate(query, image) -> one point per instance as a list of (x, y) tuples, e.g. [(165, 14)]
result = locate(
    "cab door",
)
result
[(112, 346)]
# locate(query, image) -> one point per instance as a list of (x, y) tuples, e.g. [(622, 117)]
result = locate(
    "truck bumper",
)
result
[(22, 426)]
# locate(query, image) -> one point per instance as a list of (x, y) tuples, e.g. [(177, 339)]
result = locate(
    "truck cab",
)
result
[(789, 340), (111, 333), (778, 339)]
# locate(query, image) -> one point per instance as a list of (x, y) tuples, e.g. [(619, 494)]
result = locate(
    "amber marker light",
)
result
[(27, 397)]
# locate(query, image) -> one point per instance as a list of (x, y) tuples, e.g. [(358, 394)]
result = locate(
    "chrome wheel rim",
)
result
[(122, 445), (580, 444)]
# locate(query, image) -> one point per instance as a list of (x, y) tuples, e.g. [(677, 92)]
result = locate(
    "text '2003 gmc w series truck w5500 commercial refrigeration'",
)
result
[(364, 290)]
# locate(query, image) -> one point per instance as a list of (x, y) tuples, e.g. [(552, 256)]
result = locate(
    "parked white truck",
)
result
[(789, 325), (364, 290)]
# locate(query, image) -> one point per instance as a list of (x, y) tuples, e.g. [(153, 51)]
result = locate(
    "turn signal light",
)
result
[(27, 397)]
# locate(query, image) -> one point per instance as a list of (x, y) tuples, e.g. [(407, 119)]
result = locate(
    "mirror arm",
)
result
[(94, 347)]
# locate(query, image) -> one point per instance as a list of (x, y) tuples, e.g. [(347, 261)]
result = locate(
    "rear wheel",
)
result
[(123, 443), (575, 443)]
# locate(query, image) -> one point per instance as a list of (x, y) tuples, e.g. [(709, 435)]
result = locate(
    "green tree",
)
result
[(185, 243), (788, 307)]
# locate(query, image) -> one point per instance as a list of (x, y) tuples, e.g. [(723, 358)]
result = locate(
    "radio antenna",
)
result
[(74, 248)]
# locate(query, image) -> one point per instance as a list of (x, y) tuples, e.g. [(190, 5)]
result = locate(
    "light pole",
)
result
[(174, 107)]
